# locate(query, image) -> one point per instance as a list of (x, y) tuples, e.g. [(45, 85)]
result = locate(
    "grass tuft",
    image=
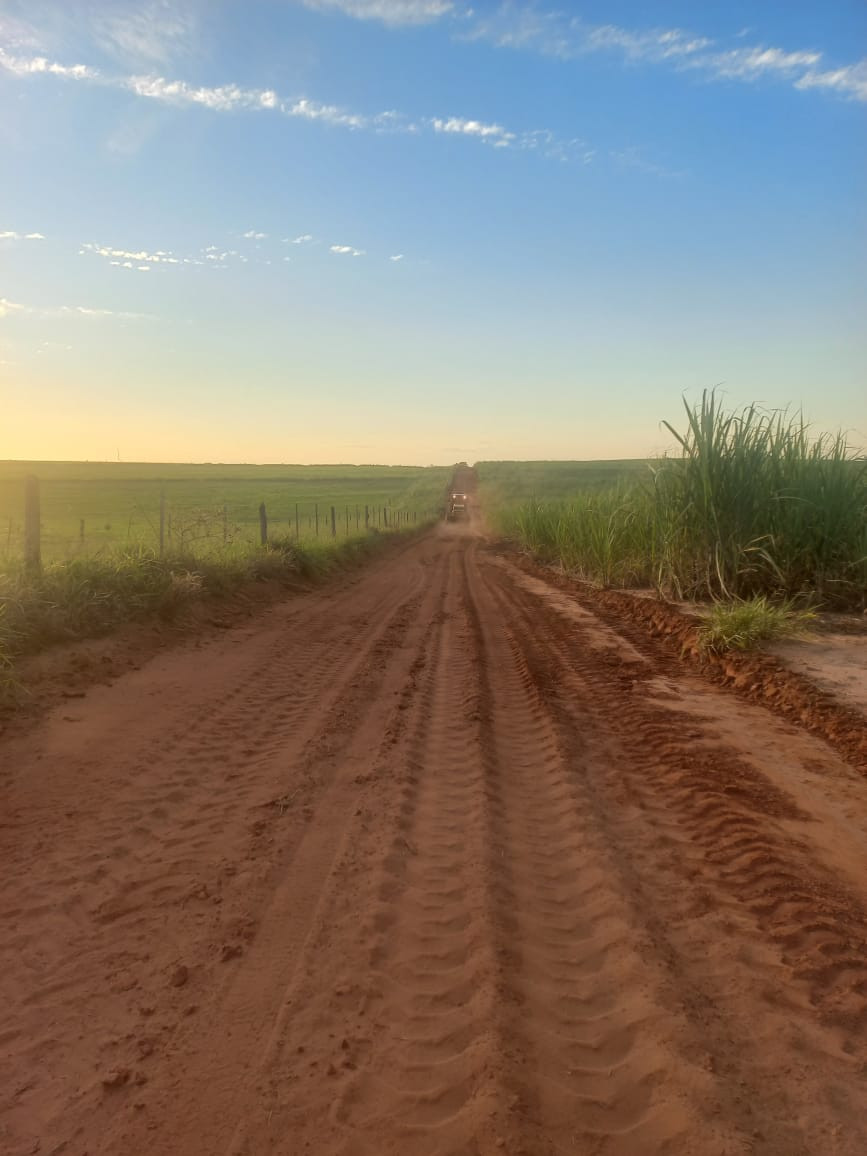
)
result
[(746, 624)]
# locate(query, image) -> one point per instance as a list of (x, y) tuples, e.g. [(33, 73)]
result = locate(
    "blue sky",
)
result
[(419, 231)]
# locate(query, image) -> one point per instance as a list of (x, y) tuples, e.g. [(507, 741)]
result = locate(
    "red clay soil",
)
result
[(755, 676), (444, 861)]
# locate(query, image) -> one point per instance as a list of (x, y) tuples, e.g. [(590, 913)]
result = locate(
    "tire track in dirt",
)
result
[(261, 997), (448, 875), (717, 816), (150, 873), (604, 1061), (431, 1082), (303, 1076)]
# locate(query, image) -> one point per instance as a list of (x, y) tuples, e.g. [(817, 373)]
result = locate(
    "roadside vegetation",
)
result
[(86, 592), (753, 506), (746, 623), (90, 596)]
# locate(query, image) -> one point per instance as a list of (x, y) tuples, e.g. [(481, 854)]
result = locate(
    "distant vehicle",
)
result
[(457, 511)]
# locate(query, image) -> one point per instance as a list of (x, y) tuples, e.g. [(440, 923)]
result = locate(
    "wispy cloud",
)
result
[(212, 256), (218, 98), (149, 30), (161, 257), (553, 33), (492, 132), (232, 98), (850, 81), (750, 63), (135, 33), (11, 235), (59, 312), (392, 12)]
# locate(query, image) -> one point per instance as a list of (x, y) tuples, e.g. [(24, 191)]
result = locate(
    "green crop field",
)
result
[(89, 509), (752, 505), (507, 482)]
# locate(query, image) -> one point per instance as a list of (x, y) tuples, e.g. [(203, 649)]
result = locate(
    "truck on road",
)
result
[(457, 511)]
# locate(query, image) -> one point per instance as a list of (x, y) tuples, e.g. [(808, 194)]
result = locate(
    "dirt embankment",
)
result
[(758, 677), (443, 861)]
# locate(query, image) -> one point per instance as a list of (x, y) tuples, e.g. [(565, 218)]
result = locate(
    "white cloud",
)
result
[(328, 113), (655, 44), (59, 312), (252, 235), (231, 98), (125, 258), (396, 257), (553, 33), (347, 250), (11, 235), (456, 124), (303, 239), (750, 63), (540, 140), (850, 81), (221, 98), (218, 98), (391, 12), (32, 65)]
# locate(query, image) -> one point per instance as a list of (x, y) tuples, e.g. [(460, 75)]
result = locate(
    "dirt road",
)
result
[(432, 863)]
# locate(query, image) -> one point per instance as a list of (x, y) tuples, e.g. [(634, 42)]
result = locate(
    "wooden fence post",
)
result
[(346, 511), (32, 524), (357, 518), (263, 525), (162, 522), (333, 523), (367, 517)]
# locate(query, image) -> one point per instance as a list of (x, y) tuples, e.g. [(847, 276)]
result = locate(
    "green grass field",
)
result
[(119, 503)]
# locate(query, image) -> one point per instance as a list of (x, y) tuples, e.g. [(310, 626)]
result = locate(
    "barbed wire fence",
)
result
[(174, 528)]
